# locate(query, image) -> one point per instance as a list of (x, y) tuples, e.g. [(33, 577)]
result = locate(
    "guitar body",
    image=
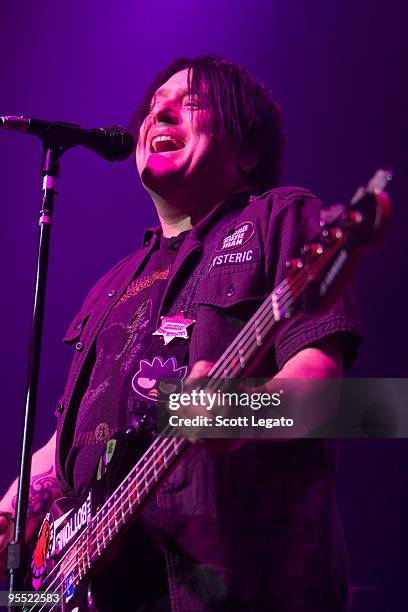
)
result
[(71, 534)]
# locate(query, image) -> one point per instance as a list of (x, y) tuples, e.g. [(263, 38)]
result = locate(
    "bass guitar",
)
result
[(77, 537)]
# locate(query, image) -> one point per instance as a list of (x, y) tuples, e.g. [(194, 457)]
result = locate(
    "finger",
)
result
[(200, 369)]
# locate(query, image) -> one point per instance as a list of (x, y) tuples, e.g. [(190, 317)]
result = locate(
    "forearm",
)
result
[(312, 393), (44, 487)]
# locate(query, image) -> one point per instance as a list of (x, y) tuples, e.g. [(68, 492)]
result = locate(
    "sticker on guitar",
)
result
[(55, 535)]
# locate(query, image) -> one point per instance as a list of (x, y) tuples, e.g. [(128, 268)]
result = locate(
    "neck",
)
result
[(179, 214)]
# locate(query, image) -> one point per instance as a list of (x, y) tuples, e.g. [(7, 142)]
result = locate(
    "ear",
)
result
[(247, 161)]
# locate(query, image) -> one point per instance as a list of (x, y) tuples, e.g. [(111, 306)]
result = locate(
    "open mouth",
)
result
[(165, 142)]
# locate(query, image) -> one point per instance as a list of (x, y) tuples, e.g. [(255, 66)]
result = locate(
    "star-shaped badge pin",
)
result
[(173, 327)]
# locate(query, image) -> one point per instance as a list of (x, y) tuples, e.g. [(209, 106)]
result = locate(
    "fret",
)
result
[(69, 569), (82, 549), (275, 306), (98, 541), (145, 480), (109, 518), (156, 459), (258, 335), (175, 446), (241, 358), (164, 455), (137, 486), (103, 531), (78, 560), (132, 497), (123, 499), (87, 551), (116, 519), (92, 542), (279, 289)]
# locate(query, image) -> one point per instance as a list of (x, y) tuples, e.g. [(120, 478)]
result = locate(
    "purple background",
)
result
[(338, 70)]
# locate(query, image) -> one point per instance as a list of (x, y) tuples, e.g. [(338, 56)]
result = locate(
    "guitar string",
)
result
[(108, 514), (75, 561), (107, 517), (101, 523), (290, 284), (144, 472), (250, 337)]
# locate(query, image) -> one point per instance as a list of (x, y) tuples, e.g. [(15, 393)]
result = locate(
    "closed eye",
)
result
[(146, 383), (192, 103)]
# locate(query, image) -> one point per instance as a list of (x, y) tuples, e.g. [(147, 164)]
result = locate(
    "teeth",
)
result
[(166, 138)]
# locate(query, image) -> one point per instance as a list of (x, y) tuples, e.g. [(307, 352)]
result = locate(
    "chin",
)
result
[(159, 172)]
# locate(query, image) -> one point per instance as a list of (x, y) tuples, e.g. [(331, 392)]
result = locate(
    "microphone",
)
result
[(113, 143)]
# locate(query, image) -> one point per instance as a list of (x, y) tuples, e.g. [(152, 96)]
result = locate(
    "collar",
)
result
[(152, 234)]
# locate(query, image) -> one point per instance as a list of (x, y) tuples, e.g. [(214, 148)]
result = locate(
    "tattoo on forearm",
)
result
[(42, 488)]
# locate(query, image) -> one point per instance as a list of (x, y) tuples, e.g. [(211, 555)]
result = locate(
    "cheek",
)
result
[(208, 151), (141, 141), (139, 156)]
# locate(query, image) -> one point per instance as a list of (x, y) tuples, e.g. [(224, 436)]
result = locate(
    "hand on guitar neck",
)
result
[(321, 360)]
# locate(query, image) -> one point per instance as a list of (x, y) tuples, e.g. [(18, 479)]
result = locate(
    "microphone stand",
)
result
[(17, 549)]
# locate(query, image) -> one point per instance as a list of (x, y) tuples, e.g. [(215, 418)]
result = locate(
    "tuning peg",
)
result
[(329, 235), (313, 249), (294, 264), (353, 218)]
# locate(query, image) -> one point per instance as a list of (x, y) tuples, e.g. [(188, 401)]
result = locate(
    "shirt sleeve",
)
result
[(295, 224)]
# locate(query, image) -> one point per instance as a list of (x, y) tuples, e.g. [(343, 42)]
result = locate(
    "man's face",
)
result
[(173, 148)]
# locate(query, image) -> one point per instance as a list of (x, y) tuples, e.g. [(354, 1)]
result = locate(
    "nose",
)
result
[(165, 112)]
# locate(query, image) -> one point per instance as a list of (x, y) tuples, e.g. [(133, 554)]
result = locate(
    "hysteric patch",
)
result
[(237, 237), (247, 256)]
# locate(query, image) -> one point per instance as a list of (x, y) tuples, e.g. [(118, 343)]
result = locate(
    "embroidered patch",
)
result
[(146, 381), (98, 436), (143, 283), (237, 236), (102, 432), (241, 257)]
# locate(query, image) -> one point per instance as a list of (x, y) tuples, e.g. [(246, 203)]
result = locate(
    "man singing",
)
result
[(253, 527)]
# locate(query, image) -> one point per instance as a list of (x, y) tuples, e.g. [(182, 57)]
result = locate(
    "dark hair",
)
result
[(243, 110)]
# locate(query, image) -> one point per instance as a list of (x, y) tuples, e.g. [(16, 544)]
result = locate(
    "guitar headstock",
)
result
[(367, 215), (323, 265)]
